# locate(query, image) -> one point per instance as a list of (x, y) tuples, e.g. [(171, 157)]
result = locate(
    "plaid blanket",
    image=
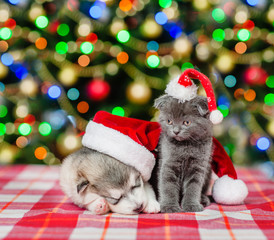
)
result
[(32, 206)]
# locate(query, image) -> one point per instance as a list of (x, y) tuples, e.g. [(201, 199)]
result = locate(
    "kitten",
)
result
[(185, 154)]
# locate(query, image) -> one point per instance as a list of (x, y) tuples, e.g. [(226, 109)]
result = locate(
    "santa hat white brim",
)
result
[(229, 191), (119, 146)]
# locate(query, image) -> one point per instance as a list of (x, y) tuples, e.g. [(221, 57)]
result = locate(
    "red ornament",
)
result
[(10, 23), (255, 76), (98, 89), (92, 37)]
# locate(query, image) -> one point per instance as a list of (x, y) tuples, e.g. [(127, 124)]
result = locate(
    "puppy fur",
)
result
[(100, 183)]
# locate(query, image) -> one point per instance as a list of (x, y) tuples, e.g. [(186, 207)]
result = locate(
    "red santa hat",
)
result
[(184, 89), (227, 189), (129, 140)]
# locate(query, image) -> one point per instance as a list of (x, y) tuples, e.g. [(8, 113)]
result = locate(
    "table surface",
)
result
[(32, 206)]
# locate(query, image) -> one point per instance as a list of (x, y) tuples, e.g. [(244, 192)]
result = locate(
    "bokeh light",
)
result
[(73, 94), (97, 9), (61, 47), (218, 15), (153, 61), (230, 81), (224, 110), (82, 107), (7, 59), (270, 81), (2, 129), (24, 129), (218, 34), (152, 46), (186, 65), (41, 43), (161, 18), (119, 111), (40, 153), (2, 87), (86, 47), (98, 89), (263, 143), (125, 5), (56, 119), (63, 29), (41, 22), (252, 2), (243, 35), (165, 3), (223, 100), (83, 60), (22, 142), (44, 128), (122, 57), (240, 48), (54, 91), (3, 111), (239, 93), (250, 95), (5, 33), (14, 2), (123, 36), (269, 99)]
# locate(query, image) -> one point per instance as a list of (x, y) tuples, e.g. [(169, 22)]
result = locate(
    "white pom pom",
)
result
[(178, 91), (216, 117), (229, 191)]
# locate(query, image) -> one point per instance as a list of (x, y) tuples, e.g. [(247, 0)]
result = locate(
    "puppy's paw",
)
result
[(170, 209), (193, 208), (152, 207), (99, 206)]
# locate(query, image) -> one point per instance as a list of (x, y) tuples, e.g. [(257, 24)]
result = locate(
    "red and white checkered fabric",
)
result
[(32, 206)]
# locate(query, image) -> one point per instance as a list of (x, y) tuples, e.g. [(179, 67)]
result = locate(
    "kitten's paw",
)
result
[(193, 208), (170, 209), (205, 201), (152, 207), (99, 206)]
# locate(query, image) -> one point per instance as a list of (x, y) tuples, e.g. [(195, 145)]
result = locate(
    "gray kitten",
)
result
[(185, 154)]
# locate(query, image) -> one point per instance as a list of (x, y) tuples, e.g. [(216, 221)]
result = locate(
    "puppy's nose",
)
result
[(139, 209)]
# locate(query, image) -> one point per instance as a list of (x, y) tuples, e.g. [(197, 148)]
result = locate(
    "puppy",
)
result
[(100, 183)]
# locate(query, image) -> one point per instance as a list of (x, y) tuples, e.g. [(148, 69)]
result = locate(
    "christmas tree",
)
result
[(62, 61)]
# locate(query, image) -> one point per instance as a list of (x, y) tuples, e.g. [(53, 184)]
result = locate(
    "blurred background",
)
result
[(62, 61)]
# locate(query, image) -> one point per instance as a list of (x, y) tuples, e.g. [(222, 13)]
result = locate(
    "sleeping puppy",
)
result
[(100, 183)]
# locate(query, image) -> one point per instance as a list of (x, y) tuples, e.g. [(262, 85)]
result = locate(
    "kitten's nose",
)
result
[(139, 209), (176, 131)]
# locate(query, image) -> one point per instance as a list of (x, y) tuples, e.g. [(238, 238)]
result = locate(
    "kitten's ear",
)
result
[(202, 106), (161, 101)]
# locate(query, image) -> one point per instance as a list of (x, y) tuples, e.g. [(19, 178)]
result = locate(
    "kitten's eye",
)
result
[(187, 123), (169, 122)]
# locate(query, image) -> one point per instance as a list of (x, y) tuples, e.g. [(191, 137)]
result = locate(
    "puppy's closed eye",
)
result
[(113, 201), (81, 187)]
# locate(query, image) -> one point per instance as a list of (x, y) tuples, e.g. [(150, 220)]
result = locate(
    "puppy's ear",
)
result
[(161, 101), (201, 104), (81, 187)]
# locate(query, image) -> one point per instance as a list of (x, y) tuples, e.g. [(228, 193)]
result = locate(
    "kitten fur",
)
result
[(100, 183), (185, 150)]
